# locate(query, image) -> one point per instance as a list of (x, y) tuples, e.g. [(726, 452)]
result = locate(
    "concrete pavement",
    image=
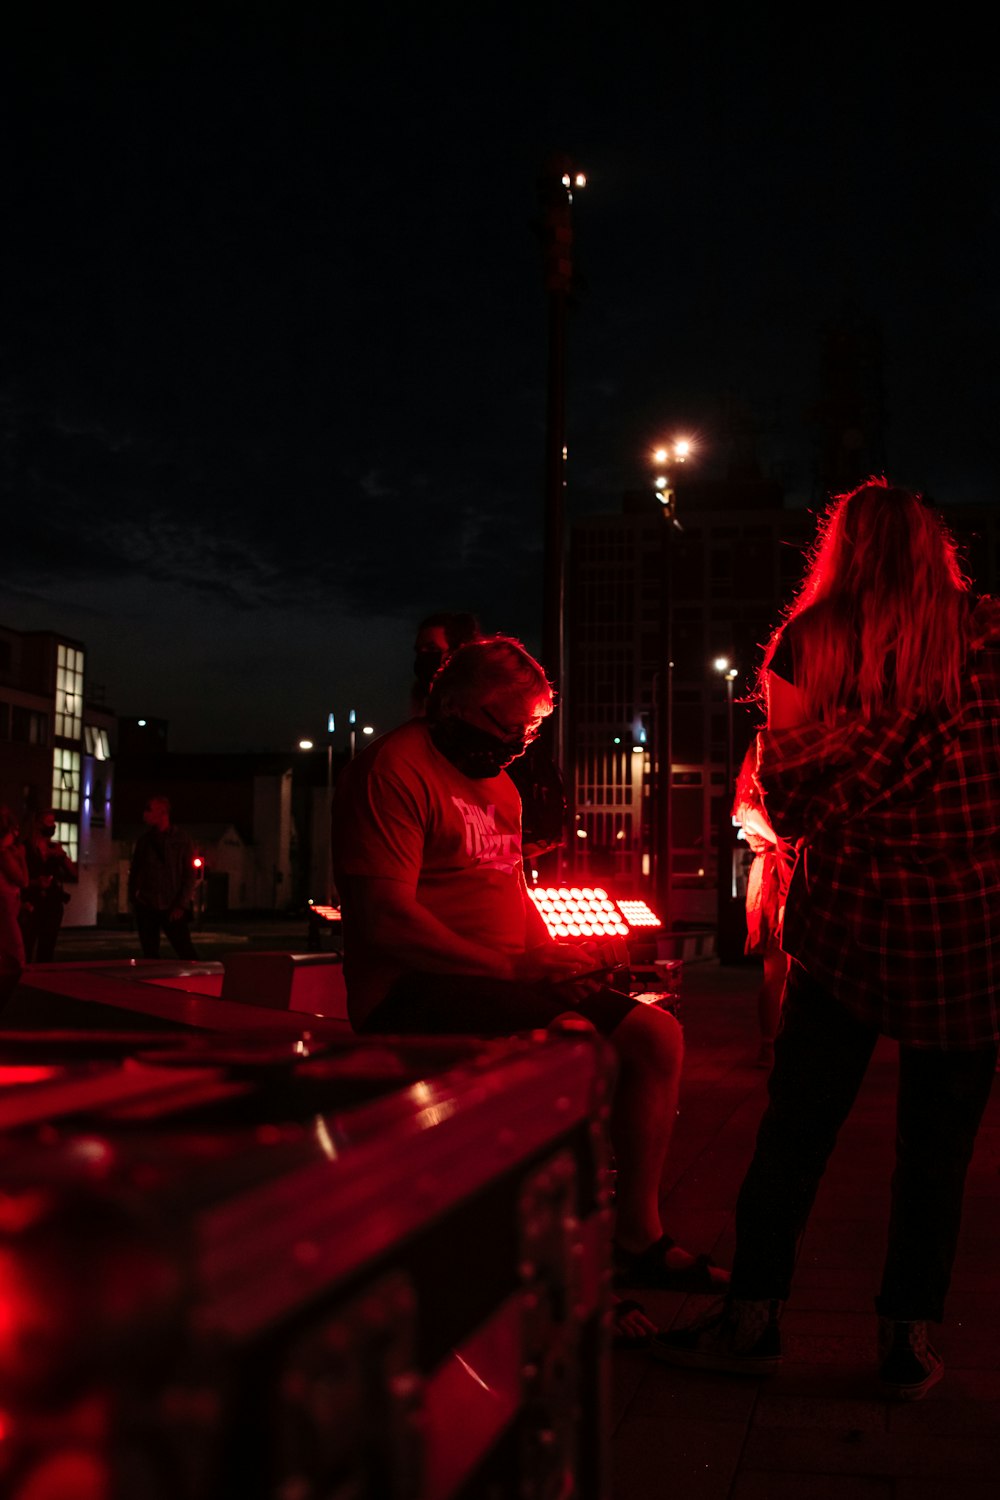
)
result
[(819, 1429)]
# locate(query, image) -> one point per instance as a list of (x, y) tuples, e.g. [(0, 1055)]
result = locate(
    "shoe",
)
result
[(907, 1364), (649, 1268), (737, 1337)]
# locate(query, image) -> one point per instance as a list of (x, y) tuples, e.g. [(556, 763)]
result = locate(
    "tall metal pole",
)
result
[(663, 803), (730, 676), (555, 188), (330, 727)]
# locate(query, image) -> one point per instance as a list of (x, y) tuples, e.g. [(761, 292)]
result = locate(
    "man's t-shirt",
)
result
[(403, 812)]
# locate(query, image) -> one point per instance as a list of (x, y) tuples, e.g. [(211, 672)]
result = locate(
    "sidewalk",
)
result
[(213, 939), (819, 1429)]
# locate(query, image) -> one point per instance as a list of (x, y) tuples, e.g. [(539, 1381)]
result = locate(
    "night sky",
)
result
[(273, 362)]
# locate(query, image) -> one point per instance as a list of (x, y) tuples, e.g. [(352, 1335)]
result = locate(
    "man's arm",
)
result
[(388, 916), (544, 956)]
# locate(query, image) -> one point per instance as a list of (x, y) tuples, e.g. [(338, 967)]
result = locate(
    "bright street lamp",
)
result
[(722, 666), (308, 744), (676, 451)]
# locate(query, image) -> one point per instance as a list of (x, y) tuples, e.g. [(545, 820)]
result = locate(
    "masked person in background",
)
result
[(438, 635), (45, 898)]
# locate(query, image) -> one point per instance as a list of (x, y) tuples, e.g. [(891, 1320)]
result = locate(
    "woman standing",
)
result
[(882, 761)]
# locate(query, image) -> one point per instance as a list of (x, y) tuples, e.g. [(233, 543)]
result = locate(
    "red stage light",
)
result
[(588, 911), (577, 912), (638, 914)]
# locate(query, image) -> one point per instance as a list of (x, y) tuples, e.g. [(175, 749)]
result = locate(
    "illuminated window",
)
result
[(95, 742), (69, 692), (69, 836), (66, 780)]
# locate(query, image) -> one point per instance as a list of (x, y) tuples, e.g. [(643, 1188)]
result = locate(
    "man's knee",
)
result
[(650, 1039)]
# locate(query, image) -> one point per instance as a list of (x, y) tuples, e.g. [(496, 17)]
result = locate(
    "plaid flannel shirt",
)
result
[(894, 903)]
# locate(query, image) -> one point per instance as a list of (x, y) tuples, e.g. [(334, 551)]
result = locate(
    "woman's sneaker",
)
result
[(738, 1337), (908, 1365)]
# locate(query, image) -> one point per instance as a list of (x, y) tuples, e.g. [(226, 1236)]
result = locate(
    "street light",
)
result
[(559, 179), (677, 451), (307, 744), (722, 666)]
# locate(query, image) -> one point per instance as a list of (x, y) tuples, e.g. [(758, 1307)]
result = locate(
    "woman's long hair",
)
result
[(881, 619)]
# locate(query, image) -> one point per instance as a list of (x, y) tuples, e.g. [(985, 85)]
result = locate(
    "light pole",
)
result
[(731, 928), (331, 725), (723, 667), (556, 185), (679, 451)]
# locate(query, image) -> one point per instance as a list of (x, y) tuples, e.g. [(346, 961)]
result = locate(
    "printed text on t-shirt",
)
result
[(483, 843)]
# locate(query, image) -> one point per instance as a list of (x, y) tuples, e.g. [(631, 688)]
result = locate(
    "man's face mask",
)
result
[(425, 663), (476, 752)]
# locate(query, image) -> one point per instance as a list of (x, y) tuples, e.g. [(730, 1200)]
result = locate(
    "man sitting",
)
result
[(441, 936)]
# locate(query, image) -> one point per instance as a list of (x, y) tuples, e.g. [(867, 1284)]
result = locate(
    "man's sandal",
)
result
[(649, 1268)]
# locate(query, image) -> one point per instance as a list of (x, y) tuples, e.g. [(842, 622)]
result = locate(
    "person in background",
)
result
[(767, 884), (438, 635), (881, 761), (46, 897), (161, 881), (13, 879)]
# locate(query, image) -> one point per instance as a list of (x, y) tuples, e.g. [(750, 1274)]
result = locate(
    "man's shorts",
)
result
[(476, 1005)]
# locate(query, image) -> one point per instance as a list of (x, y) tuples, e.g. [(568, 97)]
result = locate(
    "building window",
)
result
[(69, 692), (95, 742), (66, 780), (69, 836), (28, 727)]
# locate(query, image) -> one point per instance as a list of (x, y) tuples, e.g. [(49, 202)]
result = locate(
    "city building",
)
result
[(713, 587), (56, 750)]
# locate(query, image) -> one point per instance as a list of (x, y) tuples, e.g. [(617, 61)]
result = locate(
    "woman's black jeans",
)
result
[(821, 1055)]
